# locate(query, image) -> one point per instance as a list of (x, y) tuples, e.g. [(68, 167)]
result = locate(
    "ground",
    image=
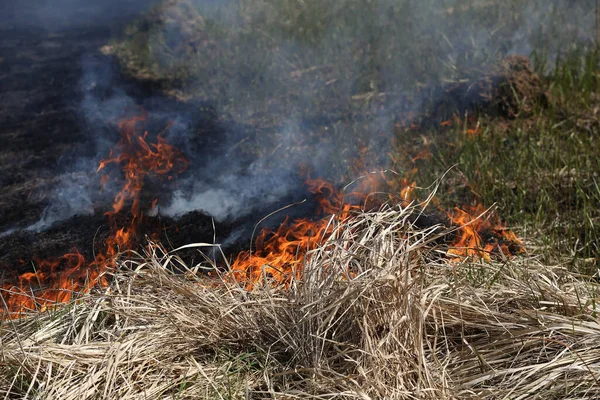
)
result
[(499, 98)]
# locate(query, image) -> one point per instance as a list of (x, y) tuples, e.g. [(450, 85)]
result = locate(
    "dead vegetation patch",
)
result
[(508, 89), (375, 314)]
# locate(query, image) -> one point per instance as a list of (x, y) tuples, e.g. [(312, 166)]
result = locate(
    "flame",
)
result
[(60, 281), (279, 253), (472, 127), (138, 158), (60, 285), (480, 237)]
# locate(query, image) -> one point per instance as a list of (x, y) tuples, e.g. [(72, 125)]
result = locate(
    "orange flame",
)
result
[(472, 127), (59, 281), (138, 159), (481, 237), (279, 253), (60, 286)]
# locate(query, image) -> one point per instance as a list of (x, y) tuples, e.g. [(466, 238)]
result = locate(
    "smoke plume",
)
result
[(257, 90)]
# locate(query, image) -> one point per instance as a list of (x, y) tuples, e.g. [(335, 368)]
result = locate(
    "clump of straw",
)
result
[(375, 314)]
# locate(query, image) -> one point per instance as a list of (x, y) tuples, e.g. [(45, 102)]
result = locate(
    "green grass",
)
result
[(541, 169), (273, 56)]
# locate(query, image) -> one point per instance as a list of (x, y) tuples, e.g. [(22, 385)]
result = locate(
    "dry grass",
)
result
[(377, 314)]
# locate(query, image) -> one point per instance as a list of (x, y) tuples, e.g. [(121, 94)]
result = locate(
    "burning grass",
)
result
[(358, 305), (58, 281), (357, 60), (376, 312)]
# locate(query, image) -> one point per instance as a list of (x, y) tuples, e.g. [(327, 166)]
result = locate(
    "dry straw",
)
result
[(377, 313)]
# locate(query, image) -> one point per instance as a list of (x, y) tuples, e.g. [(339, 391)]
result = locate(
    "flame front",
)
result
[(59, 281), (278, 253)]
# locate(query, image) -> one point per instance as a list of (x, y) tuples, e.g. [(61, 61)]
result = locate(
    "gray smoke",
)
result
[(69, 198), (326, 76)]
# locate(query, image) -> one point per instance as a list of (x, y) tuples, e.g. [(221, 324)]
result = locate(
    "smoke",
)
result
[(61, 15), (326, 60), (236, 189), (69, 198), (78, 190), (294, 84)]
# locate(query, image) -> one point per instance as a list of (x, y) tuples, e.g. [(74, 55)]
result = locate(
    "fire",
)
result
[(480, 237), (471, 127), (60, 285), (138, 159), (59, 281), (279, 253)]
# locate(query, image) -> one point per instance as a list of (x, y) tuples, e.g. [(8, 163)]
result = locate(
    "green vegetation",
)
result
[(540, 168)]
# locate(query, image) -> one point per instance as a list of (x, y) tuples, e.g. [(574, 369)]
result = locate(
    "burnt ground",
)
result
[(40, 67), (46, 49), (43, 49)]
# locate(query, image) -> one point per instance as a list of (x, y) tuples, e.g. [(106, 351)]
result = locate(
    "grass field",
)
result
[(408, 324)]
